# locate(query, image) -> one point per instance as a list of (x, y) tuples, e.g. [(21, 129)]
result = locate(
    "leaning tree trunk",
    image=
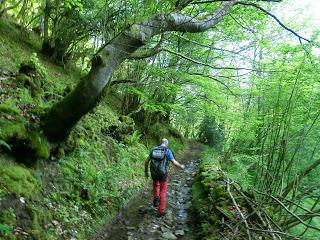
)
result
[(60, 119), (58, 122)]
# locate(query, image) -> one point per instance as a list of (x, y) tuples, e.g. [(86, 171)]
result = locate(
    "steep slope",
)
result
[(68, 190)]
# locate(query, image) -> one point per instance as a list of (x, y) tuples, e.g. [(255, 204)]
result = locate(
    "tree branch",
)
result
[(60, 119), (3, 11), (207, 46), (176, 21), (115, 82), (275, 18), (238, 209), (211, 66), (300, 176), (288, 211), (146, 53), (214, 79)]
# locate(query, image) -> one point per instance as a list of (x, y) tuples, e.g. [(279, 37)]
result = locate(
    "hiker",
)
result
[(159, 159)]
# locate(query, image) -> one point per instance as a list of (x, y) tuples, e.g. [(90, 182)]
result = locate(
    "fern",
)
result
[(5, 229), (3, 143)]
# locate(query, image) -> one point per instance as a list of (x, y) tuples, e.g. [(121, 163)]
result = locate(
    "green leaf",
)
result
[(5, 229), (3, 143)]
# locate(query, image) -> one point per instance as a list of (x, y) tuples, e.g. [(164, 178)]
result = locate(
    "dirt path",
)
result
[(139, 221)]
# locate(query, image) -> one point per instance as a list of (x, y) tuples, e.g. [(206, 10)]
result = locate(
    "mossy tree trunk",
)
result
[(61, 118)]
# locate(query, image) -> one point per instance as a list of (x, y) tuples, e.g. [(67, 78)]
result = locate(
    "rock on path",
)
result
[(139, 221)]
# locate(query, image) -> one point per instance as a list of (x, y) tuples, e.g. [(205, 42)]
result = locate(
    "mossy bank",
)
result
[(65, 190), (219, 202)]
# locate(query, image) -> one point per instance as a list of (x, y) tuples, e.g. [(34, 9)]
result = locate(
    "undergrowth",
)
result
[(72, 191)]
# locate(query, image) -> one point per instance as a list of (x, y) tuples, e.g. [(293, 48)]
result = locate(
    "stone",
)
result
[(164, 229), (179, 232), (168, 235), (22, 200), (155, 226)]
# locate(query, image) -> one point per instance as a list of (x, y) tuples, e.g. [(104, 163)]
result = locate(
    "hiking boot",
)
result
[(156, 201)]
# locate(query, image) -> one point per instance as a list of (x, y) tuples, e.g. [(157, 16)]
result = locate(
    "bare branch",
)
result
[(288, 211), (300, 176), (275, 18), (207, 46), (116, 82), (238, 209), (214, 79), (272, 231), (211, 66)]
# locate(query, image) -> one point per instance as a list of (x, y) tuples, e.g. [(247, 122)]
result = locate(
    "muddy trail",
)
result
[(138, 219)]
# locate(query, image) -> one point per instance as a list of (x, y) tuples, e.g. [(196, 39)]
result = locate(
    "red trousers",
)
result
[(160, 190)]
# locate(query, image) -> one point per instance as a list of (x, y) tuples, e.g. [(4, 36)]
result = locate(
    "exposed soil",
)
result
[(138, 219)]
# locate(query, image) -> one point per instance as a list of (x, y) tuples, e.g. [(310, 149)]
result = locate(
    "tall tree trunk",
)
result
[(60, 119), (46, 11)]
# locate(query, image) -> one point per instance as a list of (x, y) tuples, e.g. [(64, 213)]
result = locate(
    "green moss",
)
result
[(213, 218), (17, 180), (12, 48), (9, 107), (9, 129), (39, 144), (38, 216), (7, 216), (219, 193), (60, 153), (24, 80)]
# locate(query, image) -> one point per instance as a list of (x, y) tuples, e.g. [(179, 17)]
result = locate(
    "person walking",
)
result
[(159, 159)]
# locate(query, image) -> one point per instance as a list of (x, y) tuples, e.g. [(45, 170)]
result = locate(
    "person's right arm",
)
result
[(177, 164), (171, 158)]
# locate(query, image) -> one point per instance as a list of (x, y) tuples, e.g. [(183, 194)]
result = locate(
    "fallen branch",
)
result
[(267, 225), (238, 209), (272, 231), (288, 211)]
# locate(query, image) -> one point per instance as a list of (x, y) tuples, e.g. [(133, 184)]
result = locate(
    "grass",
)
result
[(75, 189), (17, 180)]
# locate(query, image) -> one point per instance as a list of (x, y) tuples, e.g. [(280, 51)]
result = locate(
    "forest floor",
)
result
[(138, 219)]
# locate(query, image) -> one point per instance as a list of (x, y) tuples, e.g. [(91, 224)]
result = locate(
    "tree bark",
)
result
[(47, 10), (61, 118)]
